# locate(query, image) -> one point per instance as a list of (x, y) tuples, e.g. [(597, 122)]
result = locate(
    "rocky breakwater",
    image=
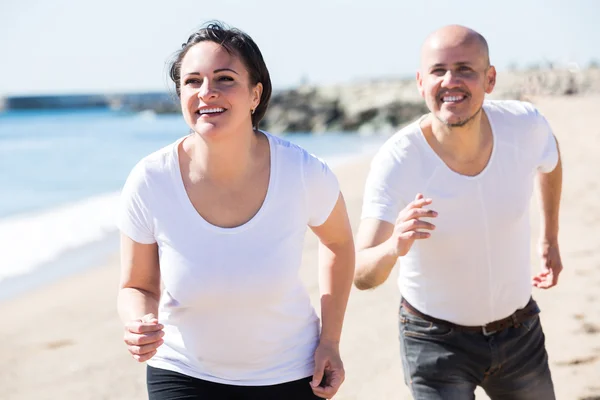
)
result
[(385, 105), (369, 107)]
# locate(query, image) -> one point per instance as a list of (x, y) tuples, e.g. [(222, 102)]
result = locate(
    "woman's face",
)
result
[(217, 97)]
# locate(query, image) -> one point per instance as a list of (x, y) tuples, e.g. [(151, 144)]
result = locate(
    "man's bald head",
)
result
[(455, 36), (455, 74)]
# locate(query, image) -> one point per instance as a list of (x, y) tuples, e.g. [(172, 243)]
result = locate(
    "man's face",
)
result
[(454, 79)]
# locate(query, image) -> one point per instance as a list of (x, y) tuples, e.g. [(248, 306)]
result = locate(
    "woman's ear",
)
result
[(257, 93)]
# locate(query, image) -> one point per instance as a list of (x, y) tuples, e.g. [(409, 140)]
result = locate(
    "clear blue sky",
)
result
[(69, 46)]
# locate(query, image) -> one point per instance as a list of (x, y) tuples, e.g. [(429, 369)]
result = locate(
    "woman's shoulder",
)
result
[(155, 164), (282, 144), (289, 152)]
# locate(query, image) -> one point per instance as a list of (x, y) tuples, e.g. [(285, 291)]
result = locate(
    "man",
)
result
[(467, 318)]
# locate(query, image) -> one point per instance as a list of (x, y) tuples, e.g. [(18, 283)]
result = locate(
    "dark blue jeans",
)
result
[(442, 363)]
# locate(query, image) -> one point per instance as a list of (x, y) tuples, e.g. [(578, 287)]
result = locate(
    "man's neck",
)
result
[(461, 143), (466, 150)]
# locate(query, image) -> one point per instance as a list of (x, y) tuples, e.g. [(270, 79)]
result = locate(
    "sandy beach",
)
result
[(64, 341)]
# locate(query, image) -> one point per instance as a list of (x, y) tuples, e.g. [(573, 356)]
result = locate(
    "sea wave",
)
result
[(31, 240)]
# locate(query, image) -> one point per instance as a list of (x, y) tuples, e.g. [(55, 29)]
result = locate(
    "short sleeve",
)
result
[(548, 149), (322, 189), (539, 143), (382, 198), (133, 216)]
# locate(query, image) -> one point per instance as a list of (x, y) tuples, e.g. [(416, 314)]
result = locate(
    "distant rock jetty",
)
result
[(381, 105)]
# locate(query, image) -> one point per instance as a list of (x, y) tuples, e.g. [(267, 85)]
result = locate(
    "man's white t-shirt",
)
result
[(475, 267), (233, 306)]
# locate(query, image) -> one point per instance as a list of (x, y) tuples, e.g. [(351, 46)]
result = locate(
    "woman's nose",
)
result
[(207, 90)]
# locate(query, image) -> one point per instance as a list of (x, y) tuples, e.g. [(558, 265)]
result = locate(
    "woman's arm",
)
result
[(138, 298), (336, 271)]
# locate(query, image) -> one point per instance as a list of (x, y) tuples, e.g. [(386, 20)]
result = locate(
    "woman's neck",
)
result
[(225, 161)]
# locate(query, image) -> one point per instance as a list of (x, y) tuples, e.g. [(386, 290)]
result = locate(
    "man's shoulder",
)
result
[(407, 138), (511, 109), (515, 122), (405, 153)]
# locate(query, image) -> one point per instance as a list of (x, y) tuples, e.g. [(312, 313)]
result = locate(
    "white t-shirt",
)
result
[(234, 308), (475, 267)]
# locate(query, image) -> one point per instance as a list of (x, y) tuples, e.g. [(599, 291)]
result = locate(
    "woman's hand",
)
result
[(143, 336), (329, 370)]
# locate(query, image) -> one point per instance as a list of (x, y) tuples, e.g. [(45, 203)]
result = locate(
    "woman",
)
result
[(212, 233)]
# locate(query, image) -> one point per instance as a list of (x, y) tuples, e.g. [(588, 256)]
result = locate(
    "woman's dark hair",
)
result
[(237, 43)]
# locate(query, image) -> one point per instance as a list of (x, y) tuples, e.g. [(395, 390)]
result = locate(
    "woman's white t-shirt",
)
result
[(233, 306)]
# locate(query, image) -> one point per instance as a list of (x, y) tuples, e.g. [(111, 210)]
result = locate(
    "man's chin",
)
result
[(454, 120)]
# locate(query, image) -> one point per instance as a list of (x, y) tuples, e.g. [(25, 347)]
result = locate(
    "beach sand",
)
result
[(64, 341)]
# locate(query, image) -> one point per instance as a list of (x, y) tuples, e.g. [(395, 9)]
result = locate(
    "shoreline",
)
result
[(71, 262)]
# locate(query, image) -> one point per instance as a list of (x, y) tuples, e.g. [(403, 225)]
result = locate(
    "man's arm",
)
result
[(376, 253), (380, 243), (550, 186)]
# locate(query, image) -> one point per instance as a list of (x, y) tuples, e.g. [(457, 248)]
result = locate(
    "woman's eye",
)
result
[(225, 79), (192, 81)]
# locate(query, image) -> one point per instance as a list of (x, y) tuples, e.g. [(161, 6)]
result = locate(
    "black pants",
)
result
[(169, 385)]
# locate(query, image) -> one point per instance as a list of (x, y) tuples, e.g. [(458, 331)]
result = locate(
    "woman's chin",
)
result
[(206, 129)]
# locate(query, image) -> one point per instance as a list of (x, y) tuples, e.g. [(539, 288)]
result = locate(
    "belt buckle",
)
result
[(486, 332)]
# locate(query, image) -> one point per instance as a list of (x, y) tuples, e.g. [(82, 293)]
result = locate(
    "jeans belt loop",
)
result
[(515, 320), (486, 332)]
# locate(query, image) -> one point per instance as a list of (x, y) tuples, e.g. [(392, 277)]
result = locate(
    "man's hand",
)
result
[(551, 266), (408, 224)]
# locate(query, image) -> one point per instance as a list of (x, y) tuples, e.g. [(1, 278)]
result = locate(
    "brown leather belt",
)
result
[(518, 317)]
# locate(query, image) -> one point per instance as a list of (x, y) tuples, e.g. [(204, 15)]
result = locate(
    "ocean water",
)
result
[(61, 172)]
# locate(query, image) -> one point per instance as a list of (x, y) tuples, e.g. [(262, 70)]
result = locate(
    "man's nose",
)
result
[(451, 79)]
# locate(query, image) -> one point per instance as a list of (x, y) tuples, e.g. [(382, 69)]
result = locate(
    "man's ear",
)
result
[(490, 79), (420, 84)]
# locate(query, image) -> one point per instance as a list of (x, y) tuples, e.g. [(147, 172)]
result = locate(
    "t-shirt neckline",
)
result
[(434, 155), (195, 215)]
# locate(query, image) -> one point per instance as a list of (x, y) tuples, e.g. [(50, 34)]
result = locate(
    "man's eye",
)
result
[(438, 71)]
